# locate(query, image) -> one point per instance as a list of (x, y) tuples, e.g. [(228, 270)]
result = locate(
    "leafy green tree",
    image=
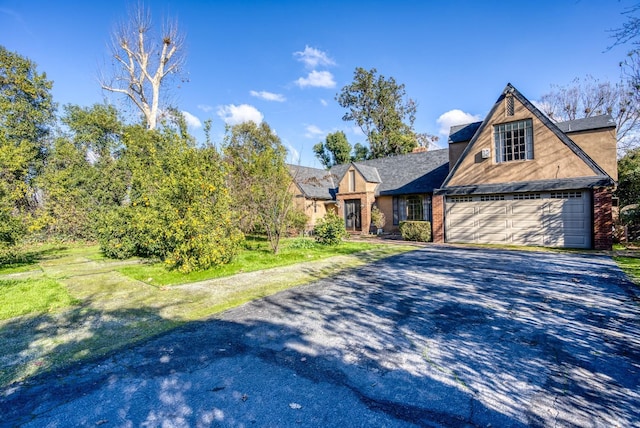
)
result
[(259, 179), (95, 130), (179, 205), (335, 150), (26, 115), (360, 152), (66, 185), (83, 176), (380, 108)]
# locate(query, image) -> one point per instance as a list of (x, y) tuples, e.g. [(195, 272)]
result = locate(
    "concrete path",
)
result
[(439, 337)]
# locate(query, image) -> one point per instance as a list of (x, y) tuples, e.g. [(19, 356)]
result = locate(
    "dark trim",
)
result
[(529, 186)]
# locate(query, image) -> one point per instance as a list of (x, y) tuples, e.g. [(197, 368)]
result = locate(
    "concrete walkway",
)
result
[(443, 336)]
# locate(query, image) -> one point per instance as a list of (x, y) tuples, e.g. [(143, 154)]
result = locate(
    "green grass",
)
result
[(256, 257), (64, 304), (32, 295), (631, 266)]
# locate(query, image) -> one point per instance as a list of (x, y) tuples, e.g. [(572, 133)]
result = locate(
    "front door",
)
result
[(352, 214)]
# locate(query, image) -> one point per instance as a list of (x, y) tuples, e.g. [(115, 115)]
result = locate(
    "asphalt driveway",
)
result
[(442, 336)]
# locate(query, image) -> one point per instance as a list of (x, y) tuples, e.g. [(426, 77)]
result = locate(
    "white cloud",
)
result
[(324, 102), (453, 118), (268, 96), (313, 58), (313, 131), (294, 155), (205, 108), (319, 79), (232, 114), (192, 120)]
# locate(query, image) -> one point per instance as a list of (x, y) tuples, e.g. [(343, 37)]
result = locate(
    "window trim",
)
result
[(508, 145)]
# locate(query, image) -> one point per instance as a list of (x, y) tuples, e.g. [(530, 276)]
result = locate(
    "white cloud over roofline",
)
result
[(454, 117)]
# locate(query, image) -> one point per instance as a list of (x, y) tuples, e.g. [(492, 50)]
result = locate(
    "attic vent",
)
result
[(510, 108)]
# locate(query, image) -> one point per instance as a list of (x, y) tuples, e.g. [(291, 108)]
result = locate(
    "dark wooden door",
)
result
[(352, 214)]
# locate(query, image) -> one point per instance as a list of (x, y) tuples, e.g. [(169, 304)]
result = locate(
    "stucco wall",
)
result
[(455, 150), (385, 205), (552, 159), (601, 146)]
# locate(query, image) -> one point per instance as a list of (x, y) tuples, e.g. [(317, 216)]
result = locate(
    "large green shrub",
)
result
[(416, 230), (179, 205), (330, 230)]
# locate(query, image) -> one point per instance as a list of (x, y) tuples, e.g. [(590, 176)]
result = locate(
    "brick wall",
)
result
[(437, 225), (602, 219)]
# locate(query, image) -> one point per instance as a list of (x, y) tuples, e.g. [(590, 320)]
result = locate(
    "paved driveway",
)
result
[(442, 336)]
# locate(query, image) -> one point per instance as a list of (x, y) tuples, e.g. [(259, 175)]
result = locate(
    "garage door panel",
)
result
[(528, 209), (462, 235), (493, 210), (488, 224), (526, 223), (461, 221), (543, 221), (495, 237)]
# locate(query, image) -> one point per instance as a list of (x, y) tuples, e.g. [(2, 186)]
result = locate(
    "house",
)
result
[(514, 178), (518, 178), (399, 186)]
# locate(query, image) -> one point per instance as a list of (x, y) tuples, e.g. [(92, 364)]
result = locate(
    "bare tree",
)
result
[(141, 62), (591, 97)]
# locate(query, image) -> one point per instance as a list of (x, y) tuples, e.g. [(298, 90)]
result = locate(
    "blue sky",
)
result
[(284, 61)]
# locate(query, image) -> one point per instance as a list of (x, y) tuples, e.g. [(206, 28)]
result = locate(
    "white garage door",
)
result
[(554, 219)]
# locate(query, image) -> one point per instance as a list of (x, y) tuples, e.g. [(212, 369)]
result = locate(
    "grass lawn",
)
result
[(256, 256), (66, 303), (631, 266)]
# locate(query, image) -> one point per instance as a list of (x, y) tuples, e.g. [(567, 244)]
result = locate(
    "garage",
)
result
[(553, 219)]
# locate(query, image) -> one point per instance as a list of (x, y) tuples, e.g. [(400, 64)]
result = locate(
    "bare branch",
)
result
[(142, 61)]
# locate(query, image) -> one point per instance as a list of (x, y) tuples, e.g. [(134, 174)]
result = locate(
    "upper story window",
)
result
[(514, 141)]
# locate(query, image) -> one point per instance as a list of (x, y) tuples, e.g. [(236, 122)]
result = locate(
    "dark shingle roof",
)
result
[(370, 173), (460, 133), (397, 175), (529, 186), (405, 174), (587, 123), (313, 182)]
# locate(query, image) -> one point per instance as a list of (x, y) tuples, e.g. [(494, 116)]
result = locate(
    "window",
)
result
[(492, 198), (514, 141), (523, 196), (566, 195), (413, 207), (461, 199)]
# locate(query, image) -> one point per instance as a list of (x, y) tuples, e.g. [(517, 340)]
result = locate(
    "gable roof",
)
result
[(314, 183), (587, 123), (396, 175), (403, 174), (599, 173), (460, 133)]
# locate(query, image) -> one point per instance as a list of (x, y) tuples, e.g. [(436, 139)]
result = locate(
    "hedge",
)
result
[(416, 230)]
